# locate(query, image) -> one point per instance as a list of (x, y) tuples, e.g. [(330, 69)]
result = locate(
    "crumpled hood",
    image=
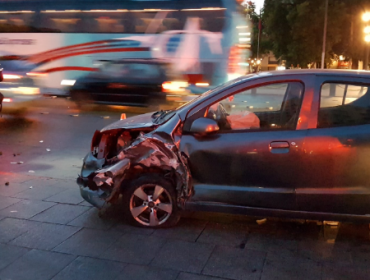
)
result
[(140, 121)]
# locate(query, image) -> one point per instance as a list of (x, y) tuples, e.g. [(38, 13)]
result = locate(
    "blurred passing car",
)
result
[(1, 95), (18, 80), (137, 82), (286, 143)]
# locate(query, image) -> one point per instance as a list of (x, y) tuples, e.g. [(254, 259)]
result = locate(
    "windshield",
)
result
[(16, 65), (211, 91)]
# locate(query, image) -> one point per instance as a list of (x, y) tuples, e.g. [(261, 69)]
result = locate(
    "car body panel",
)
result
[(304, 172)]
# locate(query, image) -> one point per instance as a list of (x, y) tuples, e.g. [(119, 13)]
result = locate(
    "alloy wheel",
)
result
[(151, 205)]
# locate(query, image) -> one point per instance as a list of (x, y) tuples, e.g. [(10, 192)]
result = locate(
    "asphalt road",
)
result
[(52, 136), (48, 232)]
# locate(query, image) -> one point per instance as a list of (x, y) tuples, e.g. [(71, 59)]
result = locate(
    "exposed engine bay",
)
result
[(120, 155)]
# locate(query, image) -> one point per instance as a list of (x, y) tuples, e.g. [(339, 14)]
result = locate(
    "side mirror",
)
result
[(1, 75), (204, 126)]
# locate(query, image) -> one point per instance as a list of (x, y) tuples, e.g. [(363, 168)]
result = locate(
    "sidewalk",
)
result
[(47, 231)]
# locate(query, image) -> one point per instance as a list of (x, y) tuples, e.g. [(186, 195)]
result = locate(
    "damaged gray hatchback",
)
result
[(287, 143)]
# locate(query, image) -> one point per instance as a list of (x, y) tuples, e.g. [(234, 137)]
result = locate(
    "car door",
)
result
[(255, 161), (336, 175)]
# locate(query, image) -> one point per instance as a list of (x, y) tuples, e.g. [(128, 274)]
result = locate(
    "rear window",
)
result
[(344, 105), (132, 70)]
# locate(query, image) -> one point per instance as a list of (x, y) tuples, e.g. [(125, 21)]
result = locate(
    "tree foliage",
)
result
[(294, 29)]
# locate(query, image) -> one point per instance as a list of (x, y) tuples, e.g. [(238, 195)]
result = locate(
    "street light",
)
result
[(366, 18)]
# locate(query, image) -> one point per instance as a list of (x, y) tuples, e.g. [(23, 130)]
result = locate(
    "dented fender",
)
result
[(152, 152)]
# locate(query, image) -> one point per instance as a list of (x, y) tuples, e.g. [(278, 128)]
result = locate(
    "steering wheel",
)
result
[(219, 115)]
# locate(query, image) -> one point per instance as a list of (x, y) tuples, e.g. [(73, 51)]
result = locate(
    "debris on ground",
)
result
[(75, 115), (106, 117), (44, 113), (41, 141), (6, 183), (331, 223), (20, 162), (31, 187), (262, 221), (13, 162), (48, 150), (1, 153), (31, 171)]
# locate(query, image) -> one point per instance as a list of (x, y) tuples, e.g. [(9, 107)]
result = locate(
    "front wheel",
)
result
[(150, 201)]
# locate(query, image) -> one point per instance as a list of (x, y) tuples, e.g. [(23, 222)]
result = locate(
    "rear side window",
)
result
[(344, 105)]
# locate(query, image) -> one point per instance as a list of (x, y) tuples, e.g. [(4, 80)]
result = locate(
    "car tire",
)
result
[(80, 98), (150, 202)]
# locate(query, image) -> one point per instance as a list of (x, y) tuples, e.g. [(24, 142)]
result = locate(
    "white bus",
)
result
[(207, 41)]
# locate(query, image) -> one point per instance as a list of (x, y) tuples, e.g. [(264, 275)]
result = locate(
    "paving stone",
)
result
[(338, 253), (26, 209), (7, 201), (189, 276), (291, 268), (71, 184), (60, 213), (124, 227), (84, 268), (12, 228), (88, 242), (224, 234), (36, 265), (183, 256), (12, 188), (134, 249), (276, 246), (45, 236), (39, 192), (91, 219), (186, 229), (9, 253), (235, 263), (85, 203), (138, 272), (345, 273), (13, 178), (69, 196), (42, 182), (360, 255), (317, 250)]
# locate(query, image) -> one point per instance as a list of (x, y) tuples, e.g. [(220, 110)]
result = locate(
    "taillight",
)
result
[(12, 77), (37, 74), (174, 86)]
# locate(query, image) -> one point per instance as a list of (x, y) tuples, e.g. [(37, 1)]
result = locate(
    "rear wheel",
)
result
[(80, 97), (150, 201)]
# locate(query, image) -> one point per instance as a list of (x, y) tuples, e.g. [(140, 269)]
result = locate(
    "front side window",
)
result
[(274, 106), (343, 105)]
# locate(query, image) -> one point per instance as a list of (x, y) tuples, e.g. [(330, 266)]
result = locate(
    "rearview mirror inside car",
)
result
[(204, 125)]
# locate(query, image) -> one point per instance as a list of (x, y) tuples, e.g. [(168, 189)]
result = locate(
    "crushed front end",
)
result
[(121, 155)]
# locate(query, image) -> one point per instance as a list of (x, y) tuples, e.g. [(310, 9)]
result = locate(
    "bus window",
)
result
[(16, 22), (54, 21), (210, 20)]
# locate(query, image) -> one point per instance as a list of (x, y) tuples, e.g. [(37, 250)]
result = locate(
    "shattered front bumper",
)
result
[(94, 197)]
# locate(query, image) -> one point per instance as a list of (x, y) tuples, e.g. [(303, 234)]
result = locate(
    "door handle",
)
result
[(279, 145)]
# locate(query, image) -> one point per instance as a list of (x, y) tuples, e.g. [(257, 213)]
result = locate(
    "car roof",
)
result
[(331, 72)]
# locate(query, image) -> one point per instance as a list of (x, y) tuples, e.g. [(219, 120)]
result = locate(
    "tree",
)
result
[(295, 29), (257, 24)]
